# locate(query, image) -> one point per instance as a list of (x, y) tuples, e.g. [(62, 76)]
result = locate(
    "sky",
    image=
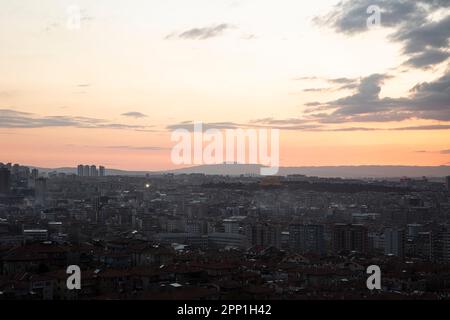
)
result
[(111, 89)]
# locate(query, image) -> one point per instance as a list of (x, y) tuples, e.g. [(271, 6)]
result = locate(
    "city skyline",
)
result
[(219, 238)]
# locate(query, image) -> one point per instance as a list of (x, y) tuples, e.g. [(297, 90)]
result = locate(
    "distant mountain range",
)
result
[(329, 171)]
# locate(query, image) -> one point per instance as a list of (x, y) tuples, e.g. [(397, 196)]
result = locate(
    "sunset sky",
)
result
[(111, 92)]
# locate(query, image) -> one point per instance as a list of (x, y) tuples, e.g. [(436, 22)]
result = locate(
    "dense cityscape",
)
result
[(211, 237)]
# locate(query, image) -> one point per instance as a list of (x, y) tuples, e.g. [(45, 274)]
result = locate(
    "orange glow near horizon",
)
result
[(54, 148)]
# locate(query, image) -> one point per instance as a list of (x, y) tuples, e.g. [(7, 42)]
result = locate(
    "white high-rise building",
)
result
[(86, 171), (80, 170), (93, 171)]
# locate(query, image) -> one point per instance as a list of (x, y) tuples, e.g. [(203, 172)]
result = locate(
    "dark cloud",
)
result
[(424, 39), (429, 35), (134, 114), (350, 16), (343, 81), (429, 100), (351, 86), (313, 104), (17, 119), (428, 58), (444, 152), (202, 33)]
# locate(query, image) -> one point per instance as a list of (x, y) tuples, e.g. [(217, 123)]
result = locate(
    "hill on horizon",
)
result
[(365, 171)]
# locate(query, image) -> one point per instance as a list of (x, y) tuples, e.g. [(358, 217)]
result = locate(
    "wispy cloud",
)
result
[(134, 148), (427, 127), (409, 128), (134, 114), (121, 147), (335, 84), (189, 125), (268, 123), (316, 89), (295, 124), (439, 151), (7, 94), (17, 119), (202, 33)]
